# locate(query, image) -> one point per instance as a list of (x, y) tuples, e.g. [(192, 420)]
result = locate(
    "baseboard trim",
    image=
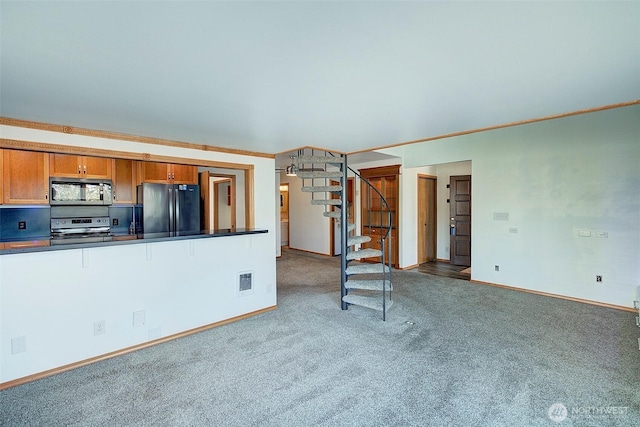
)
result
[(409, 267), (61, 369), (311, 252), (547, 294)]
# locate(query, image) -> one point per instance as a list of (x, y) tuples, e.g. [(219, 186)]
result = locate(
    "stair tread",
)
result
[(319, 159), (354, 240), (312, 189), (372, 285), (363, 268), (332, 214), (334, 202), (374, 303), (364, 253), (319, 174)]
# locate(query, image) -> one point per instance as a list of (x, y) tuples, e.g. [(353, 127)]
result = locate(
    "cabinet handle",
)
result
[(85, 169), (79, 169)]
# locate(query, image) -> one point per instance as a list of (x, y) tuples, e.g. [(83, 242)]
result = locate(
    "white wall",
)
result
[(276, 206), (553, 178), (308, 228), (443, 173), (53, 299), (408, 221)]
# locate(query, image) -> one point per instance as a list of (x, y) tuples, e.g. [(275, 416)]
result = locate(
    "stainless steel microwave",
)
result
[(70, 191)]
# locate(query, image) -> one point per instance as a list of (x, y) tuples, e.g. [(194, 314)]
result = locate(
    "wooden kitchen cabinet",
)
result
[(168, 173), (374, 216), (25, 177), (25, 244), (125, 180), (72, 166), (1, 175)]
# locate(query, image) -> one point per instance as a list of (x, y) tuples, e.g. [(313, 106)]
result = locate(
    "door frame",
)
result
[(284, 207), (216, 200), (209, 198), (423, 254)]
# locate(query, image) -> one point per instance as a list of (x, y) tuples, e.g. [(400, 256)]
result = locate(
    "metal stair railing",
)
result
[(385, 241)]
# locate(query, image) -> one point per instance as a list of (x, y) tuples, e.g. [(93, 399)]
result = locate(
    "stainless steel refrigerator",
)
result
[(170, 208)]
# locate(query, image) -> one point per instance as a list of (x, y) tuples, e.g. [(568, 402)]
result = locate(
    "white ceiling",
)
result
[(348, 76)]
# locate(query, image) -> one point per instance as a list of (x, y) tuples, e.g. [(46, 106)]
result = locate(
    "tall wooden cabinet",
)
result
[(25, 177), (72, 166), (1, 175), (125, 180), (374, 217)]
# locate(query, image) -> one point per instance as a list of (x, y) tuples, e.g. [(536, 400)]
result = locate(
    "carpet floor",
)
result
[(451, 353)]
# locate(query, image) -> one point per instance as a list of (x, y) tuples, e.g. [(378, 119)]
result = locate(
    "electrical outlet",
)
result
[(99, 327), (497, 267), (598, 278)]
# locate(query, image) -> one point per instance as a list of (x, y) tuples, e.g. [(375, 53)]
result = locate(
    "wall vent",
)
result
[(245, 282)]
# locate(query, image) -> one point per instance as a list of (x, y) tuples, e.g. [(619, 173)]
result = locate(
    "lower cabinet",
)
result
[(376, 235), (25, 244)]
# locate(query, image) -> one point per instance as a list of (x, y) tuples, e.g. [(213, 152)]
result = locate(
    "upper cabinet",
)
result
[(72, 166), (168, 173), (25, 177), (125, 179)]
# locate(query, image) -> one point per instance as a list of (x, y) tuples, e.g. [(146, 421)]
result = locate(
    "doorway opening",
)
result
[(218, 194), (284, 214), (440, 176)]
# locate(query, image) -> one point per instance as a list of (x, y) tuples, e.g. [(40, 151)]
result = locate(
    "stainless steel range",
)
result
[(80, 224)]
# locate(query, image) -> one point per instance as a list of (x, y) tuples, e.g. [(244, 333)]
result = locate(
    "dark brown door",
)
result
[(460, 220)]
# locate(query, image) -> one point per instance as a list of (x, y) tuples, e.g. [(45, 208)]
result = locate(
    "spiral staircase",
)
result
[(366, 284)]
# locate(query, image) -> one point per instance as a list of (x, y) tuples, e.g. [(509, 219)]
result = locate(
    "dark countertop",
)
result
[(44, 244)]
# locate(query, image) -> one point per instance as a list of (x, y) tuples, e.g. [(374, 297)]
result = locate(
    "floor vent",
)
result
[(245, 282)]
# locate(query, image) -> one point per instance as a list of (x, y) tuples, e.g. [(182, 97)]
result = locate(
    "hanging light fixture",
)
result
[(292, 169)]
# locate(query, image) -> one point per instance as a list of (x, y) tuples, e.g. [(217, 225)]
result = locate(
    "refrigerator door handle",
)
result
[(172, 209), (178, 207)]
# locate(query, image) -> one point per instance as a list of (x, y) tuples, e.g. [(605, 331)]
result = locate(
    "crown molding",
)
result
[(125, 137)]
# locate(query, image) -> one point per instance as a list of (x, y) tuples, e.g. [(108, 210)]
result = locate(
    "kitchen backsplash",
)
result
[(23, 223)]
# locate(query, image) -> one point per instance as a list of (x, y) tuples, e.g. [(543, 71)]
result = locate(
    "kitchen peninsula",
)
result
[(43, 244), (64, 306)]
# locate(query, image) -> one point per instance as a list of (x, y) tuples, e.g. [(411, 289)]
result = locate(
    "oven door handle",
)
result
[(80, 230)]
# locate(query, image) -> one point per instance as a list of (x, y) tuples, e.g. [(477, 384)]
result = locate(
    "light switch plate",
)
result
[(138, 318)]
